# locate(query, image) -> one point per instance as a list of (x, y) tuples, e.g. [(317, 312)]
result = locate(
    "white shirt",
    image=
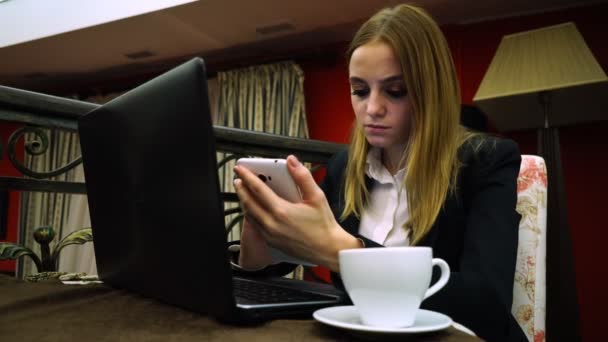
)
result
[(384, 215)]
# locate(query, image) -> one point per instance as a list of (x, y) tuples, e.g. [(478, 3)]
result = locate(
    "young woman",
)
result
[(412, 176)]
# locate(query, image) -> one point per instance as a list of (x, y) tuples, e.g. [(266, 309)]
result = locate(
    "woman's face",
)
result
[(379, 96)]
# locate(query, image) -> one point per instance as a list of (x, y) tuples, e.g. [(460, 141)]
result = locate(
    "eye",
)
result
[(363, 92), (396, 93)]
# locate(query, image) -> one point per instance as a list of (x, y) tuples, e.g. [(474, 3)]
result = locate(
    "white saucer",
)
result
[(347, 317)]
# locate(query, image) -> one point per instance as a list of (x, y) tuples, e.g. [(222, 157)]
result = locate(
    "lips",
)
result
[(376, 129)]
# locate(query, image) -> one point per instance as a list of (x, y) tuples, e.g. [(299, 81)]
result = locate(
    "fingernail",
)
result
[(236, 182), (294, 161)]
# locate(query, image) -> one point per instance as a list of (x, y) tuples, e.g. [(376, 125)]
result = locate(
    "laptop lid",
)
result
[(153, 191), (154, 199)]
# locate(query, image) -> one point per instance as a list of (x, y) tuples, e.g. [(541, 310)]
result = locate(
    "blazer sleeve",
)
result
[(479, 294)]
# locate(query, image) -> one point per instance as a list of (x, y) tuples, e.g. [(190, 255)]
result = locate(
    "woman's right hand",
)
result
[(254, 253)]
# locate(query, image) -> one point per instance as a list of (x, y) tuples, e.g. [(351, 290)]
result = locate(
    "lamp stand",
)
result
[(562, 313)]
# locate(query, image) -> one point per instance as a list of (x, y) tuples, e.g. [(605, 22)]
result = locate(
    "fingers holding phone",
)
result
[(276, 176)]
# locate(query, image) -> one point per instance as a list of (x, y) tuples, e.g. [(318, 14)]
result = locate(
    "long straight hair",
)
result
[(431, 160)]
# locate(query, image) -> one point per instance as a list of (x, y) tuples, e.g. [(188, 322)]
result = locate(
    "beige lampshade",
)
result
[(553, 59)]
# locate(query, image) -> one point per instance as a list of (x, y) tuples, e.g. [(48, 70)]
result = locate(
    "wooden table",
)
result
[(51, 311)]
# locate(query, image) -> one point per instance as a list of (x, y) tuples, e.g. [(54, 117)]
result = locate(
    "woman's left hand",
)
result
[(306, 230)]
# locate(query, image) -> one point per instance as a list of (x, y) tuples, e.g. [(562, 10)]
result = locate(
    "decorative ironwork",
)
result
[(233, 222), (47, 262), (28, 184), (225, 161), (35, 147), (232, 211)]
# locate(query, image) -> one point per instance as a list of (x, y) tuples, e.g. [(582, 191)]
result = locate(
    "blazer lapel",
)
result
[(351, 224)]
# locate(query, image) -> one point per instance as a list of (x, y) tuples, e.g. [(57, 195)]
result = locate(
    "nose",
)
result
[(376, 104)]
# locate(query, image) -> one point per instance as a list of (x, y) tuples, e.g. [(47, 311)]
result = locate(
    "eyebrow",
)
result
[(389, 79)]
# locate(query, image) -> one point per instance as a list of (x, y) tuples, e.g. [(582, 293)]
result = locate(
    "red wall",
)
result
[(6, 169), (584, 148), (328, 100)]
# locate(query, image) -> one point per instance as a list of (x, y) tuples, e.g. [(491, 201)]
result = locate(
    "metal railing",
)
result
[(37, 111)]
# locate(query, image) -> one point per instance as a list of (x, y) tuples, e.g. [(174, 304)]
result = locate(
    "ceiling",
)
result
[(224, 32)]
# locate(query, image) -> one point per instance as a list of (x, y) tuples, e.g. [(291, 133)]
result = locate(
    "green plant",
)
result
[(47, 262)]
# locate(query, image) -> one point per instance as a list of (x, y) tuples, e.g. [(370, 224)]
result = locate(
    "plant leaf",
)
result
[(79, 237), (9, 251)]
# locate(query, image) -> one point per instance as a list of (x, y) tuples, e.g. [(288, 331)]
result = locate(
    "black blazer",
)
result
[(476, 233)]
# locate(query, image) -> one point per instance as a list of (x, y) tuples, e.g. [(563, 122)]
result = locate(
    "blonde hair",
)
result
[(431, 154)]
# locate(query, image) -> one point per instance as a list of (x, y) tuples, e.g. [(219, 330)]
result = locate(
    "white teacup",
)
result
[(388, 284)]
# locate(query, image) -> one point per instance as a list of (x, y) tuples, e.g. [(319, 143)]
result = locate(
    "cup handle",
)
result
[(445, 276)]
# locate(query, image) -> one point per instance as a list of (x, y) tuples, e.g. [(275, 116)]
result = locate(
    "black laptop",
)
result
[(156, 208)]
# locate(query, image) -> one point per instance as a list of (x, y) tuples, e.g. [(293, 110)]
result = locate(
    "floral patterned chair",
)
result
[(529, 288)]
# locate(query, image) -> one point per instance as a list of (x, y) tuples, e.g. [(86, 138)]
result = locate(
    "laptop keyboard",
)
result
[(267, 294)]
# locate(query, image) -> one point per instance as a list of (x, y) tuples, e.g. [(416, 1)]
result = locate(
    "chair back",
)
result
[(529, 286)]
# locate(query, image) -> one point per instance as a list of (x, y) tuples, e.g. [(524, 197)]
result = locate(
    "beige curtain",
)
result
[(77, 258), (266, 98), (213, 88)]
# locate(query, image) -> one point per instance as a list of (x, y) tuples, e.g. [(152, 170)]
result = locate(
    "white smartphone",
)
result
[(274, 173)]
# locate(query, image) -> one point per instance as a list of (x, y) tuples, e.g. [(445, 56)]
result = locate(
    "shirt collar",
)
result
[(376, 170)]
